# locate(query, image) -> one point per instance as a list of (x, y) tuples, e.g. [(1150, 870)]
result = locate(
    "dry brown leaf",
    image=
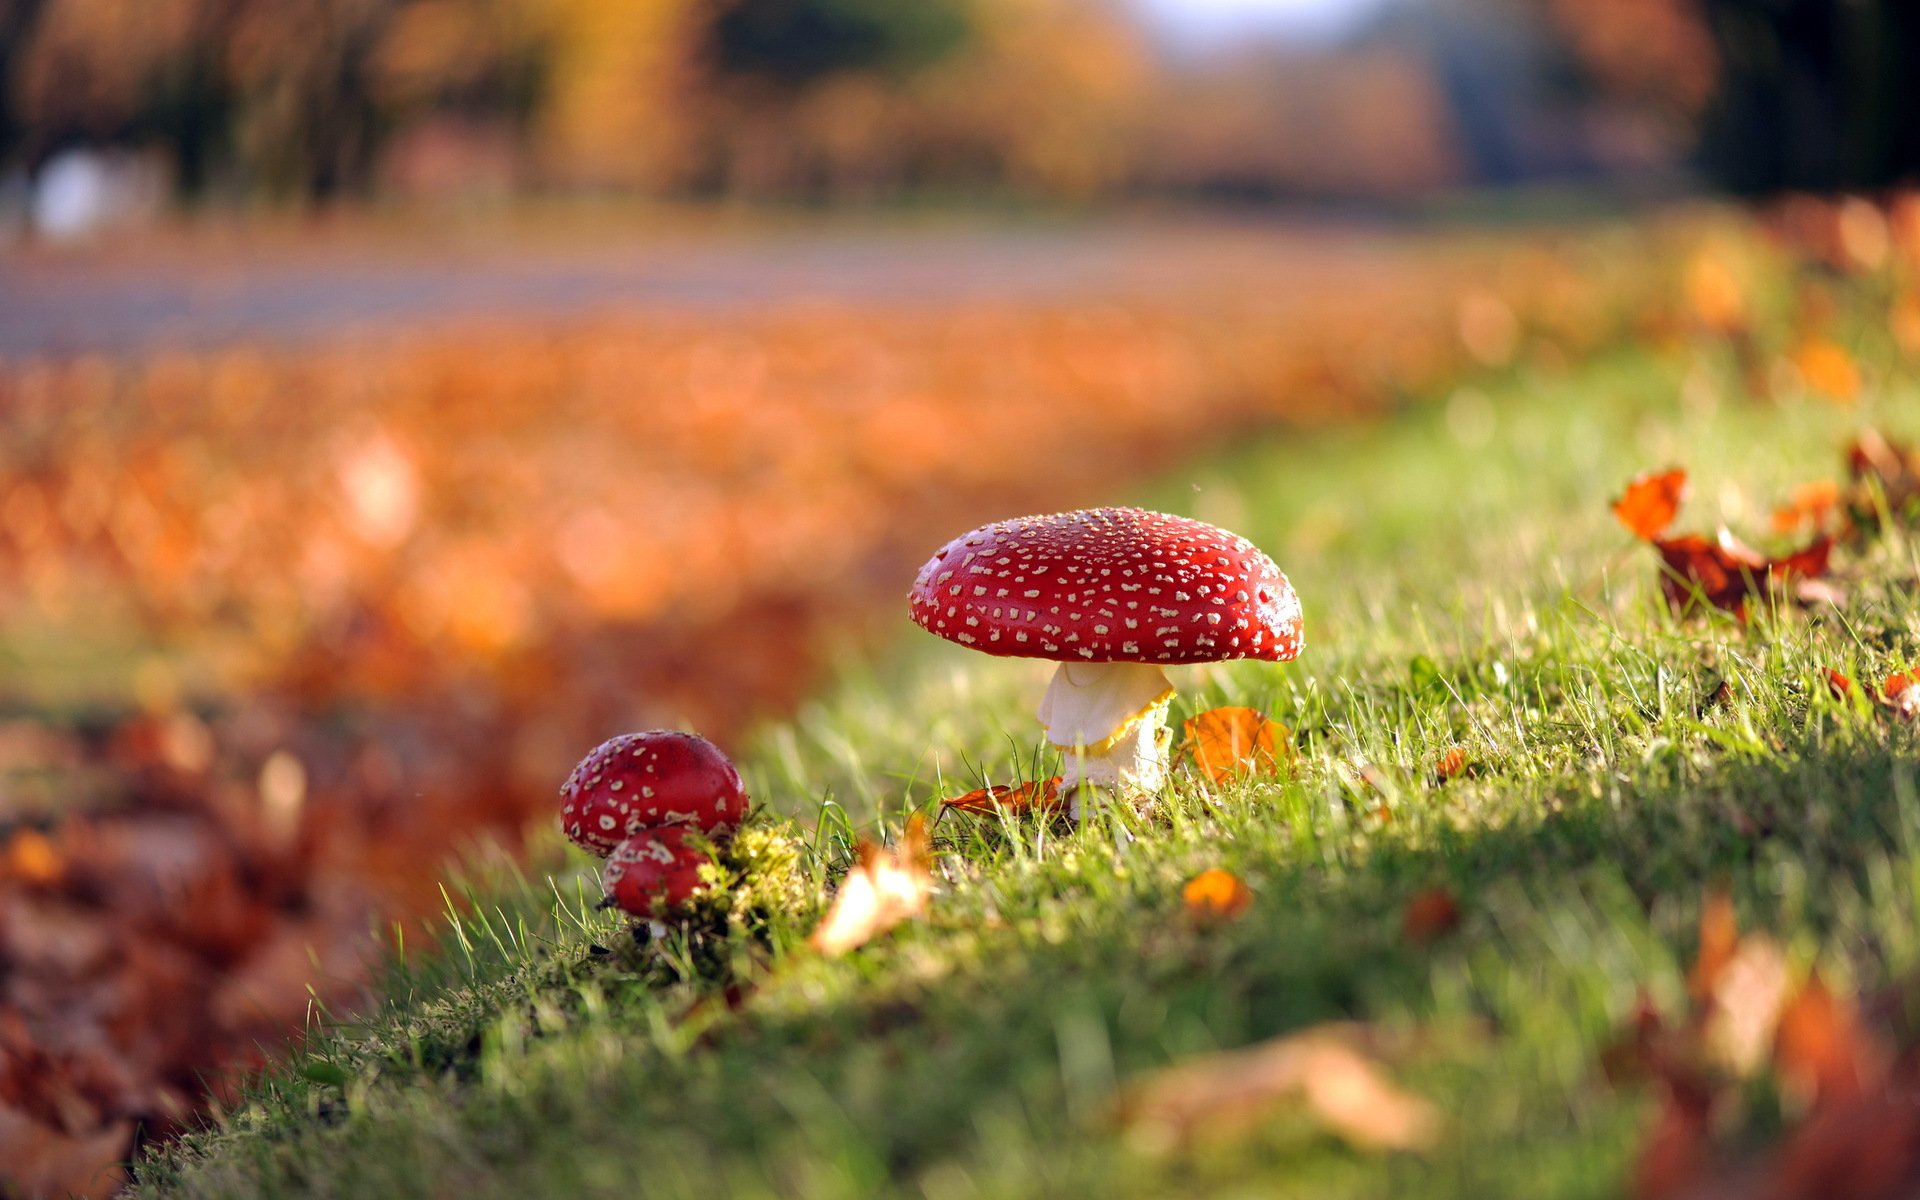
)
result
[(1431, 913), (1013, 798), (1230, 1094), (888, 886), (38, 1162), (1227, 743), (1216, 895), (1726, 573), (1651, 502)]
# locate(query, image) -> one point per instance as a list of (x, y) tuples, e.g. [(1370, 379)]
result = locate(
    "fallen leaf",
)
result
[(1747, 998), (1809, 506), (1226, 743), (38, 1161), (1901, 693), (30, 857), (1429, 914), (1013, 798), (1651, 502), (1828, 369), (1216, 895), (1726, 573), (1839, 684), (888, 886), (1820, 1048), (1886, 476), (1719, 941), (1230, 1094)]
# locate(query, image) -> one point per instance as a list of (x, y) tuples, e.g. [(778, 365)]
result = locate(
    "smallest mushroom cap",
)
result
[(644, 780), (653, 873)]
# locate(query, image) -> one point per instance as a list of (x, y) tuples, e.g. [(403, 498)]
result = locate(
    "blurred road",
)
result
[(175, 294)]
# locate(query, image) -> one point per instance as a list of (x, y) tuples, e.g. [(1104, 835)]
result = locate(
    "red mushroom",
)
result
[(1114, 595), (653, 873), (645, 780)]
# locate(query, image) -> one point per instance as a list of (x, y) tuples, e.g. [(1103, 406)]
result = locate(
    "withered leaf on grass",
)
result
[(1651, 502), (1852, 1130), (888, 885), (1041, 795), (1216, 895), (1901, 693), (1450, 764), (1891, 469), (1726, 573), (1230, 1094), (1226, 743), (1722, 572), (1431, 913)]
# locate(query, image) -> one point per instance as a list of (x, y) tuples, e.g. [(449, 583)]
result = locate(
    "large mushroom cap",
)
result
[(1109, 585)]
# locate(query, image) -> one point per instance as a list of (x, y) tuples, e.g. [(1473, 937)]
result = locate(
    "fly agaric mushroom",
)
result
[(653, 873), (1114, 595), (645, 780)]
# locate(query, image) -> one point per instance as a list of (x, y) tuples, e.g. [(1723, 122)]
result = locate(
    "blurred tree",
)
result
[(619, 92), (1814, 94), (797, 42)]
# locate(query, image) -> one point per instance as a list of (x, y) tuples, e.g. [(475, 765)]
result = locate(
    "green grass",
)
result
[(1464, 583)]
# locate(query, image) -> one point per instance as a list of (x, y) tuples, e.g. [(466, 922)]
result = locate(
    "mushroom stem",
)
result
[(1110, 720)]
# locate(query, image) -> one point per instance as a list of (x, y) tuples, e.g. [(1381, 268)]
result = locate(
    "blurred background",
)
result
[(398, 397), (114, 108)]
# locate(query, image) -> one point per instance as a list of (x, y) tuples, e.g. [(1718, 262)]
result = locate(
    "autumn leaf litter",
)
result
[(1393, 921)]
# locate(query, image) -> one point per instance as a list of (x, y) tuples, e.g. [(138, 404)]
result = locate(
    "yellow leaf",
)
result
[(890, 885)]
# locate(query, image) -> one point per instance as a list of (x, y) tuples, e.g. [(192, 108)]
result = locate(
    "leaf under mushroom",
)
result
[(888, 885), (1324, 1068)]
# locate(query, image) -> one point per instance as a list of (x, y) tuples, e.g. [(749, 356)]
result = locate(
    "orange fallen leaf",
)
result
[(1230, 1094), (1651, 502), (1719, 941), (1809, 506), (888, 886), (31, 857), (1216, 895), (1431, 913), (1014, 798), (1839, 684), (1901, 693), (1820, 1048), (1828, 370), (1226, 743)]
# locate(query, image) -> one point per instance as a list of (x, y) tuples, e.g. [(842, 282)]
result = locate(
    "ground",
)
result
[(1465, 587)]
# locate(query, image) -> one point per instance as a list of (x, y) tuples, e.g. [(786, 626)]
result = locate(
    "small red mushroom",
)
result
[(1114, 595), (653, 873), (641, 781)]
